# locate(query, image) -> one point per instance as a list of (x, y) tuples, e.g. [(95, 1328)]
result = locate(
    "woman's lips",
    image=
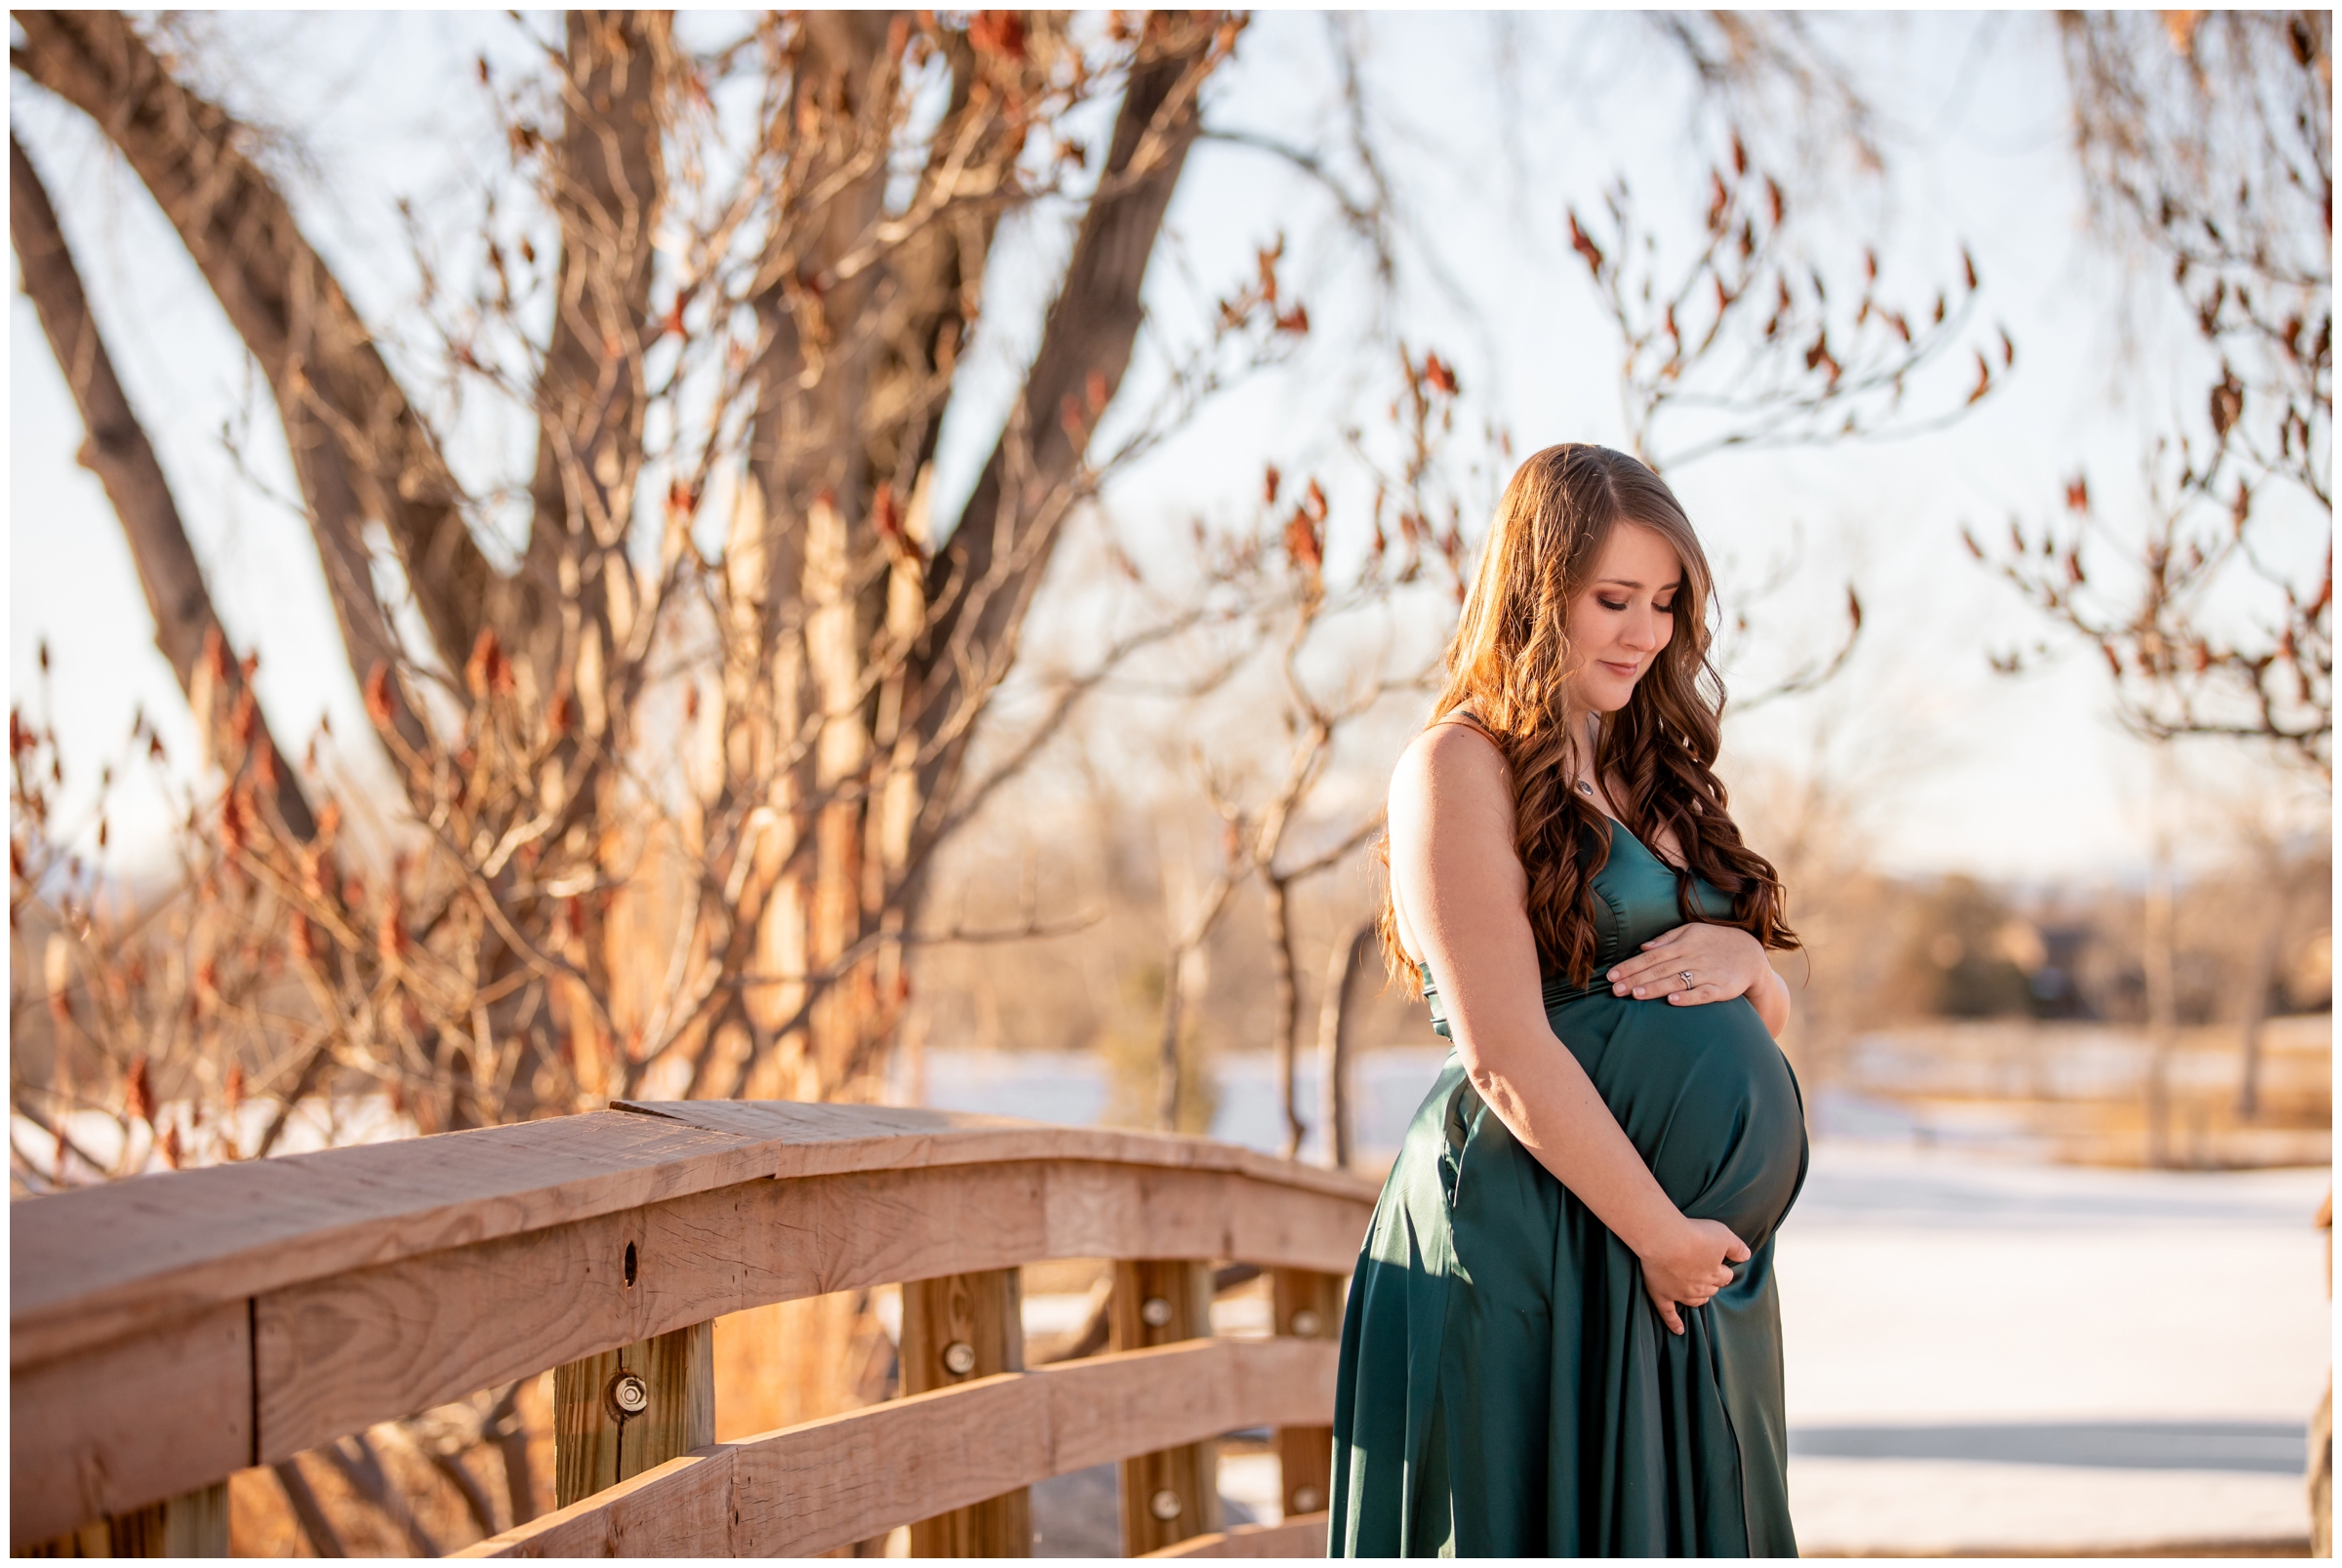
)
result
[(1622, 671)]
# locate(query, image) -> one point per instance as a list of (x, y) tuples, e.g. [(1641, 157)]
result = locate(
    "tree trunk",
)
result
[(1350, 963), (2260, 973), (1288, 1009), (982, 581), (1167, 1074), (2163, 1003), (591, 394), (2279, 894)]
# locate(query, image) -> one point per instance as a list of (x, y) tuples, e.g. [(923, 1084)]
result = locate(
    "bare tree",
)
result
[(1418, 488), (795, 332), (2207, 143)]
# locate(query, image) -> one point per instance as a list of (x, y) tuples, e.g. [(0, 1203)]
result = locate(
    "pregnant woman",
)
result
[(1563, 1337)]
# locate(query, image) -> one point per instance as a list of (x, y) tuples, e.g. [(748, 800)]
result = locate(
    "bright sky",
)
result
[(1495, 126)]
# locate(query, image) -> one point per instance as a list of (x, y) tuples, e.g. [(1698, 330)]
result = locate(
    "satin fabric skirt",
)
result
[(1505, 1387)]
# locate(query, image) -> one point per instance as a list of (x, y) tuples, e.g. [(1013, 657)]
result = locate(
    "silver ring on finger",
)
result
[(1684, 975)]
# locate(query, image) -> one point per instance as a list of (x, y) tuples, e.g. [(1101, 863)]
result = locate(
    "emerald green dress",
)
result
[(1507, 1390)]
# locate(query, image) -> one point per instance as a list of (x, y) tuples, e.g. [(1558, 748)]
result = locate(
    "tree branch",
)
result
[(1085, 349), (186, 629), (361, 450)]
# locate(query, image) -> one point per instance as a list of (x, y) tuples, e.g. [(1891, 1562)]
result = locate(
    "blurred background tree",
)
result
[(2208, 142)]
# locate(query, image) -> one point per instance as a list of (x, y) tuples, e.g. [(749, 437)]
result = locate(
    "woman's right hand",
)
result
[(1691, 1265)]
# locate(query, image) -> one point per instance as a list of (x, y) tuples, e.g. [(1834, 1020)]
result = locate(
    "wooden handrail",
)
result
[(170, 1330), (828, 1483)]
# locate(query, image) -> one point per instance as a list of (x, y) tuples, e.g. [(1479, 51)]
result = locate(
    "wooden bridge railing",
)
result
[(169, 1330)]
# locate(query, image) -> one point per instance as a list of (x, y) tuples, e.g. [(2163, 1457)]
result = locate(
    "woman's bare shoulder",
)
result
[(1451, 761)]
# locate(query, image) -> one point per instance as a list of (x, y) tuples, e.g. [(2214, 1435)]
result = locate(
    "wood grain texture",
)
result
[(338, 1354), (983, 1315), (107, 1432), (825, 1139), (828, 1484), (1306, 1305), (105, 1261), (596, 1445), (93, 1539), (1172, 1493), (180, 1241), (1303, 1537), (682, 1508), (192, 1524), (1103, 1210)]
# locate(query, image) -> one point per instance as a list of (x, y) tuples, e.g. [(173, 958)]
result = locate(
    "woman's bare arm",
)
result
[(1770, 997), (1462, 894)]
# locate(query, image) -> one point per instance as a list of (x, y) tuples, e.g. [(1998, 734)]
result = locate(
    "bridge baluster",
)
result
[(956, 1330), (1307, 1306), (193, 1524), (632, 1409), (1173, 1493)]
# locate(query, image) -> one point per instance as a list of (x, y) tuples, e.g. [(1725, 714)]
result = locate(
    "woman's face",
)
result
[(1620, 620)]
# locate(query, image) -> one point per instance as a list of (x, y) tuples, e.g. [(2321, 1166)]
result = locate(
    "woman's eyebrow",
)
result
[(1630, 582)]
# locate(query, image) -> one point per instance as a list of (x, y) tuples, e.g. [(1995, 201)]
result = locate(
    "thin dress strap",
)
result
[(1457, 717)]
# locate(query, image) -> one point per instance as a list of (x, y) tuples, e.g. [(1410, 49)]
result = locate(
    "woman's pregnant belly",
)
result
[(1707, 1099)]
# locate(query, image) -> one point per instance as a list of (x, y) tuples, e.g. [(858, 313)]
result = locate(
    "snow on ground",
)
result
[(1983, 1352)]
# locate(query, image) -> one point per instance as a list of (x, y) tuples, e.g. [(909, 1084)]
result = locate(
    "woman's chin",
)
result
[(1608, 697)]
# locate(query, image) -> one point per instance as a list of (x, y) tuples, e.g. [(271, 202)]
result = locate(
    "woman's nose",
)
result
[(1642, 632)]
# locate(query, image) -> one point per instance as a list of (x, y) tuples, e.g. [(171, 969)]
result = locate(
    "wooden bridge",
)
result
[(168, 1331)]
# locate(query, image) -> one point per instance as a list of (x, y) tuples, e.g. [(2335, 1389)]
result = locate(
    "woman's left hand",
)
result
[(1721, 962)]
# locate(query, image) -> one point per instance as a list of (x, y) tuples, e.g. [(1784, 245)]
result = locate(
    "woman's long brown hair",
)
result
[(1511, 660)]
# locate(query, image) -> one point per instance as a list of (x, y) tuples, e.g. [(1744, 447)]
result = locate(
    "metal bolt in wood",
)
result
[(1307, 1306), (629, 1395), (1170, 1494), (600, 1438), (962, 1326)]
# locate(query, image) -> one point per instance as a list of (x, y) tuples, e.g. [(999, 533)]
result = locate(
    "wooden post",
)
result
[(632, 1409), (954, 1329), (1309, 1306), (1174, 1493), (192, 1524)]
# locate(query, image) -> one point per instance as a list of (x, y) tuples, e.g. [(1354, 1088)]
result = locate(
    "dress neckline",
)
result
[(1423, 968), (1635, 839)]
